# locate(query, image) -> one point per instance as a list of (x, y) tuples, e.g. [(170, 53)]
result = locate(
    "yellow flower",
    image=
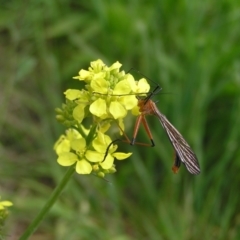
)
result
[(101, 143), (112, 92), (108, 95), (71, 149), (4, 204)]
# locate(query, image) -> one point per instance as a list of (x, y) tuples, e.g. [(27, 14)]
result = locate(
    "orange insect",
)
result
[(183, 151)]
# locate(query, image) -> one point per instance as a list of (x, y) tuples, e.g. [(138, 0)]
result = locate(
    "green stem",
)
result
[(53, 198)]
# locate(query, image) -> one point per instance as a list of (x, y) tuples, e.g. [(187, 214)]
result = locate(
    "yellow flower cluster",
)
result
[(108, 95)]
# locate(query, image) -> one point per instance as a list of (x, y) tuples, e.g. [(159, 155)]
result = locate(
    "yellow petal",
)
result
[(83, 167), (121, 88), (104, 126), (78, 112), (98, 108), (129, 102), (99, 85), (135, 111), (108, 162), (101, 142), (117, 110), (5, 204), (98, 146), (72, 134), (84, 75), (121, 155), (131, 81), (62, 145), (67, 159), (115, 65), (78, 144), (73, 94), (97, 65), (142, 86), (99, 76), (94, 156)]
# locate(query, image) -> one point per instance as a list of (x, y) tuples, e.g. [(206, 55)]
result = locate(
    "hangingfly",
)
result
[(183, 151)]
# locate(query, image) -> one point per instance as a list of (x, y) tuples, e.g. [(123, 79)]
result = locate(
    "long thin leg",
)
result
[(136, 128), (127, 140), (145, 124), (142, 119)]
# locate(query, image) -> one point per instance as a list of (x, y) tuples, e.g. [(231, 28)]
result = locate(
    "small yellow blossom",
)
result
[(71, 149), (5, 204), (101, 143)]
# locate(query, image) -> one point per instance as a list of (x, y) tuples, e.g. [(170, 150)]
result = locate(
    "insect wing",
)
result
[(183, 150)]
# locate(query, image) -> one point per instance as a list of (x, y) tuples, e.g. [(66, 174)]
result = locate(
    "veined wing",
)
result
[(183, 150)]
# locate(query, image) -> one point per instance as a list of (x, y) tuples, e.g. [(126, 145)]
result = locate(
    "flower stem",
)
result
[(53, 198)]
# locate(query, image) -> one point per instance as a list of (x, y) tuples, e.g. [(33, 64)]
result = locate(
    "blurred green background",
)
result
[(191, 49)]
